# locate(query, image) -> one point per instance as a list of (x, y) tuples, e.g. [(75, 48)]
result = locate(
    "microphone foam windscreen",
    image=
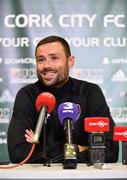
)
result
[(68, 110), (46, 99)]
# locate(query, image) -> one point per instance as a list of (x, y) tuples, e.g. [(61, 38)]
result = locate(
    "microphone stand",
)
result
[(97, 148), (44, 153), (70, 154)]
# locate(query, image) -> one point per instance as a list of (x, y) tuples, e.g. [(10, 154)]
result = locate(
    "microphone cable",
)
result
[(22, 162), (54, 160)]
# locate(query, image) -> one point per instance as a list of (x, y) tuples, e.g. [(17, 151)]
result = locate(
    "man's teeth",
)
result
[(49, 73)]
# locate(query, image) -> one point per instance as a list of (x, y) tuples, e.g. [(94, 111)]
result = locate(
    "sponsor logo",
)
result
[(119, 114), (120, 134), (114, 61), (22, 75), (6, 96), (2, 133), (119, 76), (101, 124), (26, 60), (3, 140), (4, 115), (91, 75), (125, 134), (123, 93), (106, 61), (119, 61), (96, 124), (4, 120)]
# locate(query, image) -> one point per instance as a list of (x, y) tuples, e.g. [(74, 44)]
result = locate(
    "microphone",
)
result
[(96, 126), (45, 103), (120, 134), (68, 113)]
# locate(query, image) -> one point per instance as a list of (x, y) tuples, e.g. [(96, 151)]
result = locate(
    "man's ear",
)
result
[(71, 61)]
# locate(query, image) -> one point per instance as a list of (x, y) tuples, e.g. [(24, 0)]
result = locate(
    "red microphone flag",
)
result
[(96, 124), (120, 133)]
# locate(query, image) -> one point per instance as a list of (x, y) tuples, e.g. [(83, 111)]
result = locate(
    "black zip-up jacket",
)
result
[(92, 103)]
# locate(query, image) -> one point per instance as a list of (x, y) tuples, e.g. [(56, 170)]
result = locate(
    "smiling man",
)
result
[(53, 61), (53, 64)]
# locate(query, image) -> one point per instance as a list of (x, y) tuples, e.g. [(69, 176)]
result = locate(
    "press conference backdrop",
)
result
[(96, 31)]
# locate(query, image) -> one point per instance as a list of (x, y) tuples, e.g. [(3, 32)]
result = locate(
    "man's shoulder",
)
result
[(30, 88), (83, 83), (85, 89)]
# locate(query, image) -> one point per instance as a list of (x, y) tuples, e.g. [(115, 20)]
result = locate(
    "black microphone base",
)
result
[(69, 164)]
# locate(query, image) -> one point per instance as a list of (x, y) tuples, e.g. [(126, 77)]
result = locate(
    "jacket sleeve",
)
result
[(23, 117), (97, 106)]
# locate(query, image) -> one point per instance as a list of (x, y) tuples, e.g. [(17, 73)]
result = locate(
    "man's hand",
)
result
[(29, 135), (83, 148)]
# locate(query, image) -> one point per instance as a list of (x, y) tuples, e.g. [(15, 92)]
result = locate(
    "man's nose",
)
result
[(47, 63)]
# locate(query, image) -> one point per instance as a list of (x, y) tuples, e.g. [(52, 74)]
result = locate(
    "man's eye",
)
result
[(41, 60), (54, 58)]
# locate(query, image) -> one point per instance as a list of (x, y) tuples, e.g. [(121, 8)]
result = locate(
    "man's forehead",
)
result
[(52, 48), (52, 44)]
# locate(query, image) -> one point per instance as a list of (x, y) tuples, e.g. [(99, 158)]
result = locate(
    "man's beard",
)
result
[(58, 81)]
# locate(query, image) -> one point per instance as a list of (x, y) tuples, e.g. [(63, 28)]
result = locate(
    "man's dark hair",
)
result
[(50, 39)]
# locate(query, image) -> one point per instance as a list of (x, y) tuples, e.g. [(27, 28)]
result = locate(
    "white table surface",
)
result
[(56, 171)]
